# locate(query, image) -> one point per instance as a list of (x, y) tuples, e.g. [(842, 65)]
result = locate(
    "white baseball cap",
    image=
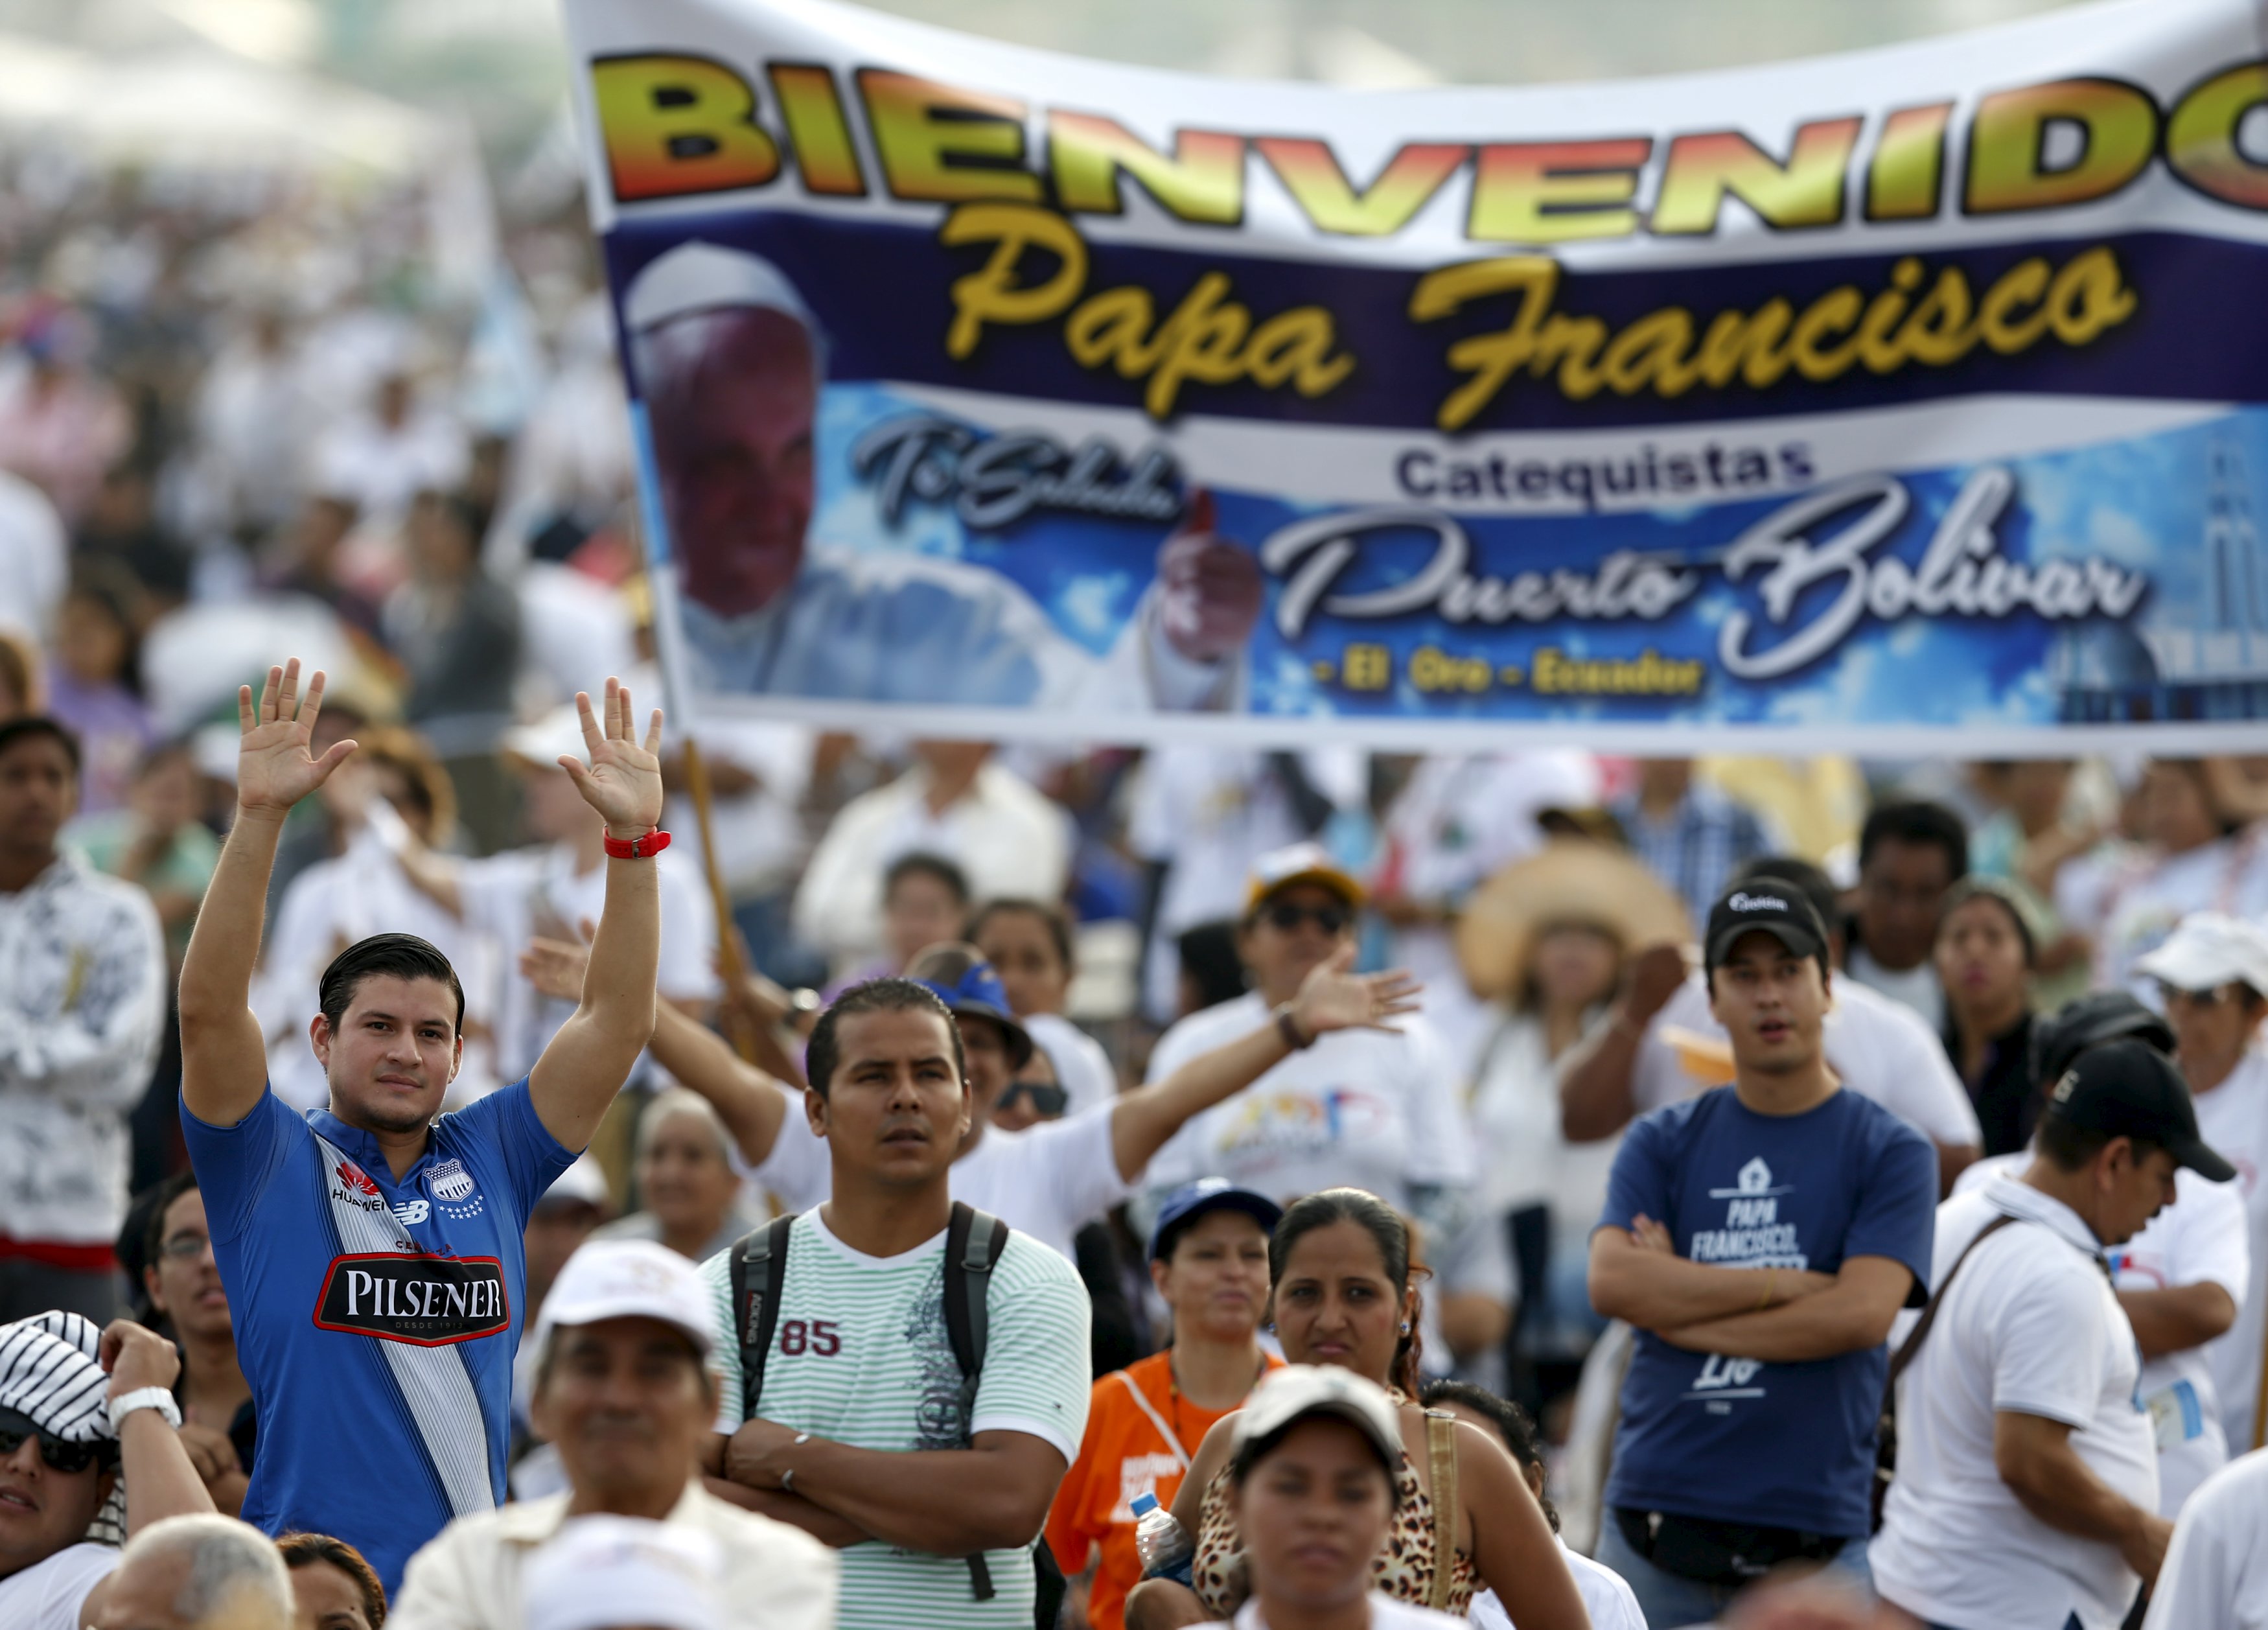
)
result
[(584, 1181), (599, 1571), (1299, 1390), (631, 1279), (2207, 950)]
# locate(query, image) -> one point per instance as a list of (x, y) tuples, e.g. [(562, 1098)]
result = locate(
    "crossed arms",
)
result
[(1782, 1316)]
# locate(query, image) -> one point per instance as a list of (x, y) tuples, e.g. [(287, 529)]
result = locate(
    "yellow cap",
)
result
[(1298, 863)]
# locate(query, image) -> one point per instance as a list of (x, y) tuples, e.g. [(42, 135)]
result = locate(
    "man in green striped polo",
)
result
[(865, 1432)]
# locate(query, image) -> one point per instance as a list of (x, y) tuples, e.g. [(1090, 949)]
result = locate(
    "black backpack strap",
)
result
[(973, 1241), (759, 1270)]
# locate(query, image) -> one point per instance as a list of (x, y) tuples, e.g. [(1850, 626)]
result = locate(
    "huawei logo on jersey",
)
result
[(355, 1178), (428, 1301)]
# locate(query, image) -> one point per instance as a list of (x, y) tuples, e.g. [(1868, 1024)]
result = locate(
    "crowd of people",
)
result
[(1522, 1187)]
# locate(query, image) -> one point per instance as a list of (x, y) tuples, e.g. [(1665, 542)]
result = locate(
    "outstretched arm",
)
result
[(1331, 999), (752, 1105), (224, 1065), (587, 1061)]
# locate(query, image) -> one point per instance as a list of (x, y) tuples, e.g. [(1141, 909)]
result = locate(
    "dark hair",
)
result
[(1919, 822), (1057, 920), (1512, 1424), (15, 730), (822, 1057), (161, 1201), (398, 955), (304, 1550), (921, 863), (2070, 1148), (1384, 1225), (1972, 888), (111, 583), (1208, 959), (1800, 875)]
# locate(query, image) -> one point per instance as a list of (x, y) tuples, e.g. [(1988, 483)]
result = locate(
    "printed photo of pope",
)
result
[(729, 361)]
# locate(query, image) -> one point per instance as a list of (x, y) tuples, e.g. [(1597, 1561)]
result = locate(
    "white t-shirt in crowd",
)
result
[(2129, 900), (2233, 1119), (52, 1594), (1370, 1109), (2216, 1571), (2028, 1326), (2197, 1240), (1878, 1047), (1047, 1182), (1916, 987), (1386, 1613), (526, 892), (1082, 1068), (1606, 1597)]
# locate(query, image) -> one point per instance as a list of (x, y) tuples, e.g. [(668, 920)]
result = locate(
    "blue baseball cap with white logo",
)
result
[(979, 994), (1190, 1201)]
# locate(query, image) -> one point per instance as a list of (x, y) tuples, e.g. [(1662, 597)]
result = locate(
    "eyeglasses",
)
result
[(2176, 996), (58, 1455), (182, 1247), (1049, 1102), (1286, 917)]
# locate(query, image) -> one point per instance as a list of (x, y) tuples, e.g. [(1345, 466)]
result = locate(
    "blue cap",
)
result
[(1192, 1200), (1142, 1505), (979, 994)]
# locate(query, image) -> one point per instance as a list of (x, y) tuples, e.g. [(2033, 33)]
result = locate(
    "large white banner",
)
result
[(1908, 400)]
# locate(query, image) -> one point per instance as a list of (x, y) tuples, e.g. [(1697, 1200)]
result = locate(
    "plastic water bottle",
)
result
[(1163, 1544)]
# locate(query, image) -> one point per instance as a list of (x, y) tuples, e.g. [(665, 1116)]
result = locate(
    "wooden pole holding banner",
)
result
[(677, 701)]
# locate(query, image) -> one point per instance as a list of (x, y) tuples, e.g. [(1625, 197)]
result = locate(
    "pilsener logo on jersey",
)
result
[(428, 1301)]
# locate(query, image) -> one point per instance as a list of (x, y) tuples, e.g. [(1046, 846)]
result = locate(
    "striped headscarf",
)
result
[(51, 1373)]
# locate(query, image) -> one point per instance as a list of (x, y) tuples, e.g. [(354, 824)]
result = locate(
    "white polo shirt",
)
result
[(2197, 1240), (2030, 1326), (2216, 1571), (2233, 1120), (1878, 1047)]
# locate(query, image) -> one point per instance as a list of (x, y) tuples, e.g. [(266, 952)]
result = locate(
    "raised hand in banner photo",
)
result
[(1210, 588)]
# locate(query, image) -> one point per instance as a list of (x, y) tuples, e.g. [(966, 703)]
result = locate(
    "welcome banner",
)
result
[(1904, 401)]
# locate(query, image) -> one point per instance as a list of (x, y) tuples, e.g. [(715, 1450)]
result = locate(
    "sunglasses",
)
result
[(1286, 917), (1049, 1102), (58, 1455), (2176, 996)]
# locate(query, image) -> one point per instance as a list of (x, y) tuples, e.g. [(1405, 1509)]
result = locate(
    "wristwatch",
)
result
[(145, 1398)]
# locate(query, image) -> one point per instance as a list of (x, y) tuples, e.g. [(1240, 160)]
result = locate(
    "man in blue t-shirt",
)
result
[(1762, 1237), (372, 1251)]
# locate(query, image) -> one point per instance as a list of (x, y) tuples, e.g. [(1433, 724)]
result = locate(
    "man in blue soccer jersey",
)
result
[(372, 1251)]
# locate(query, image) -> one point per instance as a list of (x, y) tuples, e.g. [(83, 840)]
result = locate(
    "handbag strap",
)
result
[(1442, 1465), (1181, 1453), (1912, 1344)]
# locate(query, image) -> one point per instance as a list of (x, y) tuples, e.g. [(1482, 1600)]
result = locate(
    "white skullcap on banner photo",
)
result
[(697, 276)]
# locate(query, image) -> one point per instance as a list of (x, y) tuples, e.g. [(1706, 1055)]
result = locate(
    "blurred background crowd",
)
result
[(349, 400)]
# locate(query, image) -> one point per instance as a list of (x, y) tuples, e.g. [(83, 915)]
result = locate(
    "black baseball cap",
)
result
[(2127, 1088), (2089, 1021), (1772, 905)]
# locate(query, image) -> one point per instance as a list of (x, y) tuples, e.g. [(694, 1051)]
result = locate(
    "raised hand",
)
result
[(274, 768), (554, 967), (1332, 998), (623, 781)]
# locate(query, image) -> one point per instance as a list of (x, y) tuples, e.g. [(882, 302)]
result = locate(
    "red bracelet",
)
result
[(637, 848)]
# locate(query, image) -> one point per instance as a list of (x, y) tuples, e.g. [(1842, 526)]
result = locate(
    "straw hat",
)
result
[(1570, 880)]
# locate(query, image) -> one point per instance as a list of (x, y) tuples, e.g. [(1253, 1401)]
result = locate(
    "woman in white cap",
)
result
[(1345, 1298), (1315, 1478)]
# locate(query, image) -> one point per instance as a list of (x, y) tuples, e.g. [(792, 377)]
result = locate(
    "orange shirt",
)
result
[(1124, 1454)]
